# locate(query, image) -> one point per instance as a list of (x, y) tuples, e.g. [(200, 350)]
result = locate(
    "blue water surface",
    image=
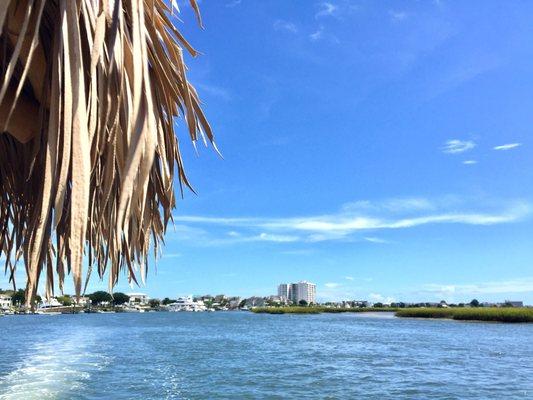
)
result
[(240, 355)]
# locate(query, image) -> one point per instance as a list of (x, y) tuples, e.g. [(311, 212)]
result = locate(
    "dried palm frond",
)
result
[(89, 90)]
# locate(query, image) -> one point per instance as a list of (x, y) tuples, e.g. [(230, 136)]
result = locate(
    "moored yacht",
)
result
[(187, 303)]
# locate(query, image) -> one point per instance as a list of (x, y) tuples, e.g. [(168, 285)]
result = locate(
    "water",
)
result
[(239, 355)]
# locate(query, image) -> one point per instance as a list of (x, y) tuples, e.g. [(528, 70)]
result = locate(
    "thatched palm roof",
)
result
[(89, 90)]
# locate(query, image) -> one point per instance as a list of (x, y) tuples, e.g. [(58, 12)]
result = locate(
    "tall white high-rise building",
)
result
[(283, 291), (305, 291), (296, 292)]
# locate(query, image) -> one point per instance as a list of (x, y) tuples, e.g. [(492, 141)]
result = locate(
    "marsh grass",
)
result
[(318, 310), (287, 310), (500, 314)]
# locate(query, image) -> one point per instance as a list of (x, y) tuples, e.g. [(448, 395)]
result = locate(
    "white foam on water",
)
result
[(53, 368)]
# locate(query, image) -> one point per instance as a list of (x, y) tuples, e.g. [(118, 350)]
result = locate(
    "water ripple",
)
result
[(243, 355)]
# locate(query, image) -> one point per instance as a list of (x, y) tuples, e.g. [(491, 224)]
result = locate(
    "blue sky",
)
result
[(379, 149)]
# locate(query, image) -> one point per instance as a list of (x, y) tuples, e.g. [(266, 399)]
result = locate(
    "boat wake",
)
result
[(54, 369)]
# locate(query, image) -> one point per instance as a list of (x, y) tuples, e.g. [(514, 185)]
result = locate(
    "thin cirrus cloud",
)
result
[(215, 91), (233, 3), (397, 205), (507, 146), (321, 34), (376, 297), (397, 16), (456, 146), (318, 34), (282, 25), (373, 239), (172, 255), (326, 9), (470, 162), (484, 288), (351, 223)]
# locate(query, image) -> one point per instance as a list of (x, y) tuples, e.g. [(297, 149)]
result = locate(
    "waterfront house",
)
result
[(5, 302), (514, 303), (220, 298), (277, 299), (83, 301), (255, 301), (138, 299), (234, 303)]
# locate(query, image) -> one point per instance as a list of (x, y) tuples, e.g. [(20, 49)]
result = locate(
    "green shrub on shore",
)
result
[(496, 314)]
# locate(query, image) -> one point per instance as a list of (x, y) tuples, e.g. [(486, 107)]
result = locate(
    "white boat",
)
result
[(187, 303), (47, 307), (44, 312)]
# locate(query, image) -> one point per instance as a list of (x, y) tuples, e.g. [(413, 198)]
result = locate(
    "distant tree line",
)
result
[(99, 297), (19, 297)]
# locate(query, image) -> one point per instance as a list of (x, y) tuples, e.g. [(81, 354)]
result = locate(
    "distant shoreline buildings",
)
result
[(297, 292), (301, 293)]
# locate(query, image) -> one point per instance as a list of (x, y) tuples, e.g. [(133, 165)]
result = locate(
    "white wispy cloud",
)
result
[(326, 9), (204, 237), (332, 285), (456, 146), (376, 297), (485, 288), (233, 3), (282, 25), (229, 221), (318, 34), (395, 205), (299, 252), (349, 278), (353, 220), (188, 233), (372, 239), (507, 146), (398, 16), (346, 225), (337, 293), (470, 162), (171, 255), (214, 91), (269, 237), (321, 34), (461, 71)]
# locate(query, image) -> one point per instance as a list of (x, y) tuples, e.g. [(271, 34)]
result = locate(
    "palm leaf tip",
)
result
[(90, 176)]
